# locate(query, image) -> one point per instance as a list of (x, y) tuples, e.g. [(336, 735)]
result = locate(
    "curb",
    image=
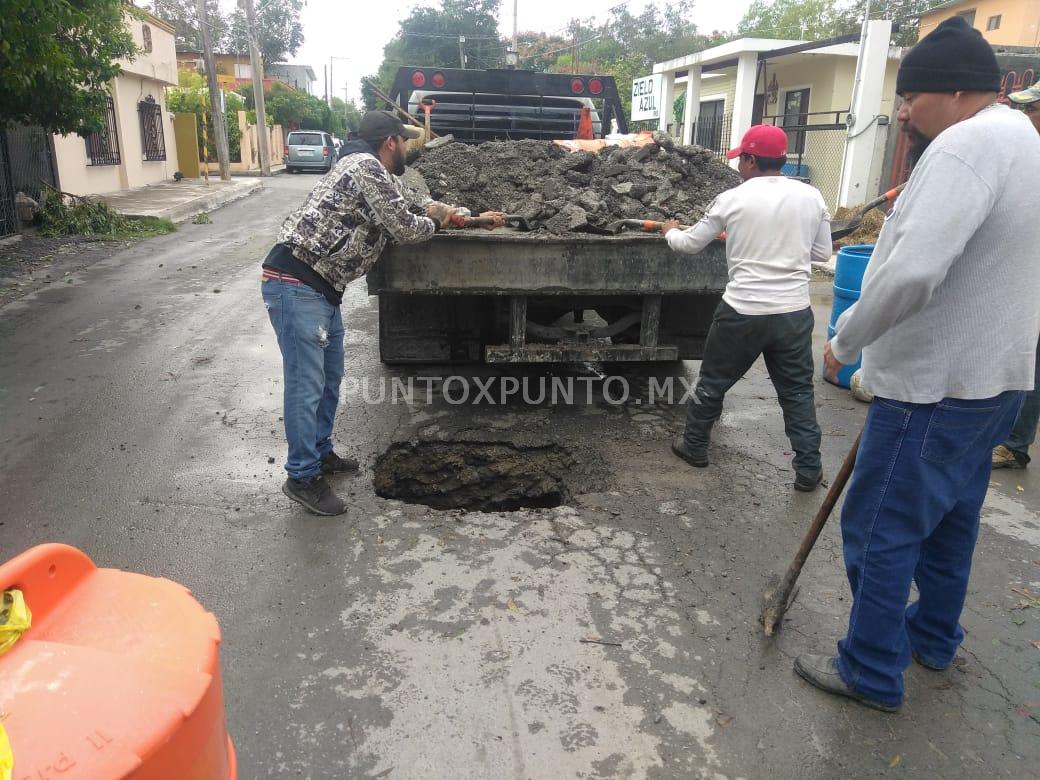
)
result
[(205, 202)]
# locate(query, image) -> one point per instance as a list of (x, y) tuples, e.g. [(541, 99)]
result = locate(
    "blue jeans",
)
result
[(1024, 432), (310, 336), (912, 515)]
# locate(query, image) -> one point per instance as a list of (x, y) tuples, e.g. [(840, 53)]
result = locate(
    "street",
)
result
[(614, 635)]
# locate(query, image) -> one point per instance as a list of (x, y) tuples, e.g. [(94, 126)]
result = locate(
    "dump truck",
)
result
[(510, 296)]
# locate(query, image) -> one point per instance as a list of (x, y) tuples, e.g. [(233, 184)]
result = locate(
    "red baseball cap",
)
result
[(761, 141)]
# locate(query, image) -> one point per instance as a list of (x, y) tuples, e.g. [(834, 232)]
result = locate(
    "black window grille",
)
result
[(146, 37), (153, 142), (103, 146)]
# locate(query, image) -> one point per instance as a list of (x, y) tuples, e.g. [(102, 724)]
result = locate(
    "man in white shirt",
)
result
[(775, 227)]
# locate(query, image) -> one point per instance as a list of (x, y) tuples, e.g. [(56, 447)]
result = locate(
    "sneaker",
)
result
[(928, 664), (698, 458), (822, 671), (331, 463), (315, 495), (1005, 458), (807, 483)]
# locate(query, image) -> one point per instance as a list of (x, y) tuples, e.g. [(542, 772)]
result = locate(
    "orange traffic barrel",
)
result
[(117, 677)]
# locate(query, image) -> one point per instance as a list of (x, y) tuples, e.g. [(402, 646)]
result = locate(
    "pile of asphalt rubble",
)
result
[(577, 192)]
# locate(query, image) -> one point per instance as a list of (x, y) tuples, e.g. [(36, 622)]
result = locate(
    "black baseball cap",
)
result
[(377, 125)]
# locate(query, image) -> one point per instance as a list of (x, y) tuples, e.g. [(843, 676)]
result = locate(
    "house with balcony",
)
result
[(233, 69), (136, 145), (299, 77)]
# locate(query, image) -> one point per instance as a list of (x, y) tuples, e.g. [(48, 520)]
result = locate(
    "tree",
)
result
[(812, 20), (816, 20), (295, 110), (626, 46), (279, 32), (184, 16), (349, 111), (429, 37), (539, 50), (191, 96), (56, 59)]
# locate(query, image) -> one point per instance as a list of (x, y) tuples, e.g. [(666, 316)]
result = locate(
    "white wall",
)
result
[(147, 75)]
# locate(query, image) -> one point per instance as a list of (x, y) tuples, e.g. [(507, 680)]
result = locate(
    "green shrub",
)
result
[(90, 218)]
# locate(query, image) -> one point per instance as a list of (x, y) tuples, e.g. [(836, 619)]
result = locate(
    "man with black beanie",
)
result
[(947, 323), (333, 239)]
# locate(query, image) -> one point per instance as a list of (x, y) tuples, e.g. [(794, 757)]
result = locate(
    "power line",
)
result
[(450, 37)]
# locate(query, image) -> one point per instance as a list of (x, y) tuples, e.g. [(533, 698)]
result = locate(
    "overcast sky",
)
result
[(358, 29)]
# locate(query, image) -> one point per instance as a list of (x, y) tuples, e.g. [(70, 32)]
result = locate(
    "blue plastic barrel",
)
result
[(848, 281)]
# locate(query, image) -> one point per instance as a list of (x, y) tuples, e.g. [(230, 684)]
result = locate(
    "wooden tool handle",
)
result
[(833, 494)]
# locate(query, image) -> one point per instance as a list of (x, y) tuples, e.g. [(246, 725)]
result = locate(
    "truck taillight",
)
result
[(324, 151), (418, 79), (285, 150), (577, 86), (438, 79), (595, 86)]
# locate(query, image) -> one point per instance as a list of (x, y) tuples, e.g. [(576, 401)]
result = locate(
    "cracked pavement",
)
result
[(615, 635)]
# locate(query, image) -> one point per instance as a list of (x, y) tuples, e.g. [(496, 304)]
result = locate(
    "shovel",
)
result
[(648, 225), (514, 220), (843, 227), (839, 229), (780, 593)]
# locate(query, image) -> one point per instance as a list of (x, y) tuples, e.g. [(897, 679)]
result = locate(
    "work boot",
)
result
[(822, 671), (315, 494), (1005, 458), (331, 463), (806, 482), (698, 458)]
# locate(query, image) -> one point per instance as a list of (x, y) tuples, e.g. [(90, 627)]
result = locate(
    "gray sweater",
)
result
[(951, 298)]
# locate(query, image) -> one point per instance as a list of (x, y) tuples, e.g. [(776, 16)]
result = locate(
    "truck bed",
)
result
[(506, 296), (510, 262)]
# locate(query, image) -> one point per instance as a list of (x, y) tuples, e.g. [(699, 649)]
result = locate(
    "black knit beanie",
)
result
[(952, 57)]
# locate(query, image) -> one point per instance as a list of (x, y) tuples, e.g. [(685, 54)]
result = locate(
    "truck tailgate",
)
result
[(508, 262)]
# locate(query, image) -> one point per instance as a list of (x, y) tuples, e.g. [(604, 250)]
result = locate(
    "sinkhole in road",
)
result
[(488, 476)]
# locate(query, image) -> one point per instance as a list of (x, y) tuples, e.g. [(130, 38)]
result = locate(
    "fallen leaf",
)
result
[(1018, 621), (724, 720), (1036, 643), (1020, 489), (512, 607), (379, 539), (895, 760)]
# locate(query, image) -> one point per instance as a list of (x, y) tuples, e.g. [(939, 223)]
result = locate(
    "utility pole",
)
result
[(462, 56), (577, 47), (332, 82), (219, 129), (257, 66), (514, 25)]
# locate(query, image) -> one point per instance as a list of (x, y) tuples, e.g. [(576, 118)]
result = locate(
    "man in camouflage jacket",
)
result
[(333, 239)]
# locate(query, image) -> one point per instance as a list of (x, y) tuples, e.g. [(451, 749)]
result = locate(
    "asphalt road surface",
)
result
[(614, 635)]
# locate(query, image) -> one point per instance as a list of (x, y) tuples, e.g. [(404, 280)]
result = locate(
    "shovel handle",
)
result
[(779, 598), (460, 221)]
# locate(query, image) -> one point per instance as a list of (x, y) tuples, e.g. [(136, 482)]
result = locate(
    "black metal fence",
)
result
[(26, 165), (712, 131), (103, 146), (815, 149), (153, 140)]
